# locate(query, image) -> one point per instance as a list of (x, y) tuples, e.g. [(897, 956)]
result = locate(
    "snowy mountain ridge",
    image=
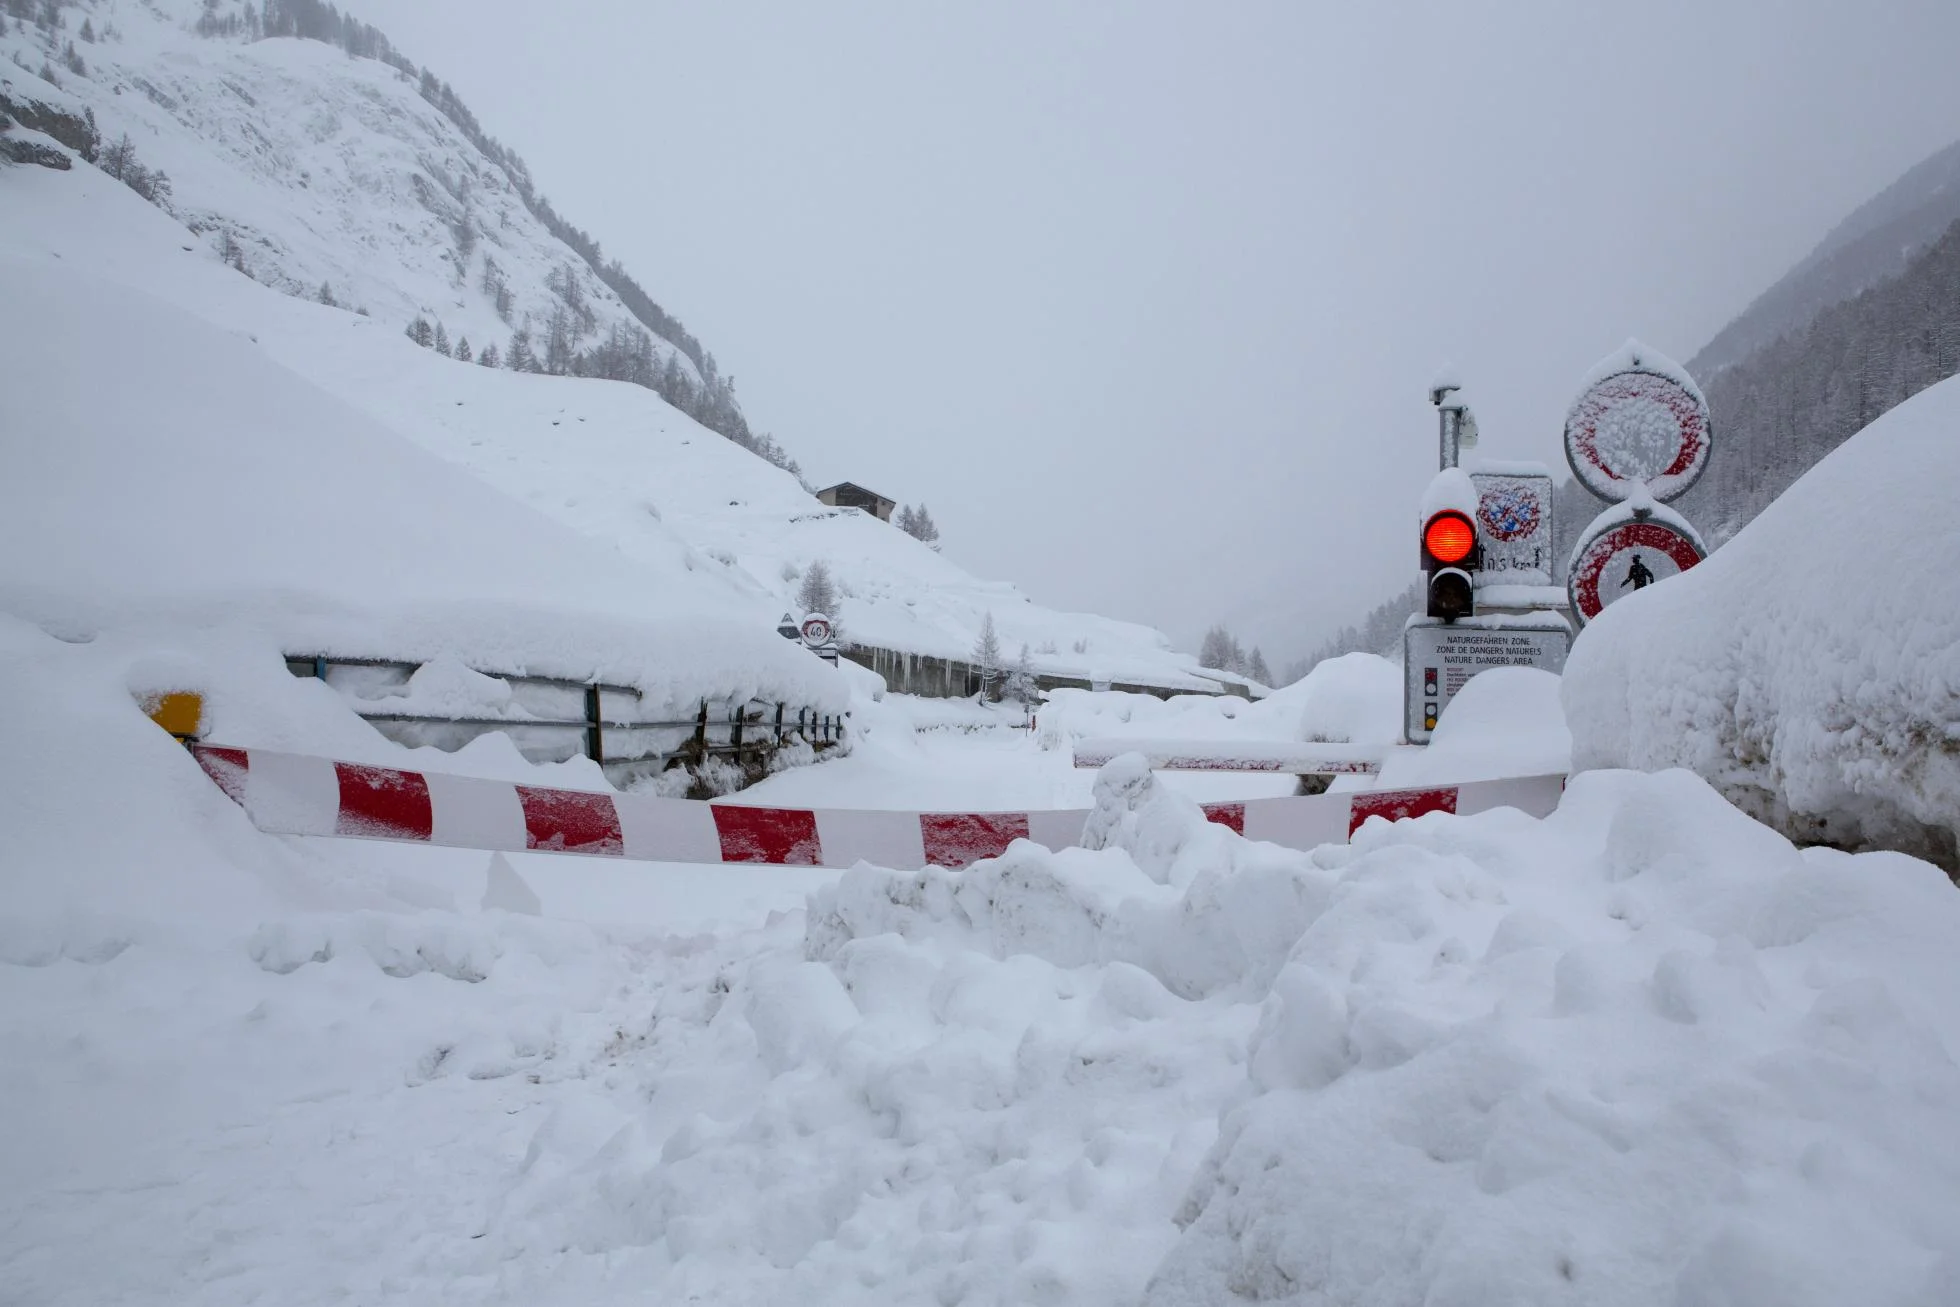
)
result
[(318, 168), (1875, 242), (329, 168)]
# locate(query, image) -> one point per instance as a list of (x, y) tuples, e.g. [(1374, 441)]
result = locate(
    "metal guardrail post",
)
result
[(595, 731)]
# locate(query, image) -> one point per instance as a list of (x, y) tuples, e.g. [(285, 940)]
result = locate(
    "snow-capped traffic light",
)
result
[(1449, 556)]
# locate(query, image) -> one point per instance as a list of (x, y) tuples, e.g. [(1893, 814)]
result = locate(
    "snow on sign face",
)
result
[(1639, 427), (1514, 518), (1625, 559), (816, 629)]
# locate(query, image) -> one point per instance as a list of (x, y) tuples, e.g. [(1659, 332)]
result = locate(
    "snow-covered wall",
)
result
[(1810, 669)]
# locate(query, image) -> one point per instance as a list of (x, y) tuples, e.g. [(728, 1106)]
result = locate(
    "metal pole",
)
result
[(1449, 430), (595, 731)]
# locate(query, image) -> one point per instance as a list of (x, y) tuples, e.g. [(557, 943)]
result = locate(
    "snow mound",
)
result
[(218, 501), (1643, 1051), (1353, 699), (1505, 721), (1685, 1064), (1810, 669)]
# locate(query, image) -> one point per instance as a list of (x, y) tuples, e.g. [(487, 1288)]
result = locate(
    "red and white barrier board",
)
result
[(291, 794)]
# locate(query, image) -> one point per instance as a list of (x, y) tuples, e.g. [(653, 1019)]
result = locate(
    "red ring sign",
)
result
[(1637, 428), (816, 629), (1625, 559)]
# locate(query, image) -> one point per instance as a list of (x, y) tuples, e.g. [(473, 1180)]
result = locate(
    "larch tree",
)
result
[(818, 593), (986, 656)]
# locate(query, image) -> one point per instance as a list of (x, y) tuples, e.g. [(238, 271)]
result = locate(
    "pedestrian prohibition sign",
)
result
[(1625, 558)]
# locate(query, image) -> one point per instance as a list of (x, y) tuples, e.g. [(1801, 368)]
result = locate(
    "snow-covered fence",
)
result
[(932, 677), (1238, 755), (551, 719), (290, 794)]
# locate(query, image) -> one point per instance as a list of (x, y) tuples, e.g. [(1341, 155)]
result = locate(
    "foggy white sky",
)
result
[(1143, 298)]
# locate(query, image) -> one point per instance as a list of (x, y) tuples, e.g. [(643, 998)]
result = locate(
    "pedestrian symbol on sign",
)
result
[(1638, 576)]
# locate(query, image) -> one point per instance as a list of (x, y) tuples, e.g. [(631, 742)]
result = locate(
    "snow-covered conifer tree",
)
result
[(818, 593), (1219, 650), (1021, 685), (986, 657), (520, 358)]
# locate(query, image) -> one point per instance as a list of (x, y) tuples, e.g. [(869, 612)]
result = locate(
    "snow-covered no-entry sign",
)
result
[(1640, 422), (1625, 556)]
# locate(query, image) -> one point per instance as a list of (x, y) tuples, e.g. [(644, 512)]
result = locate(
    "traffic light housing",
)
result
[(1450, 553)]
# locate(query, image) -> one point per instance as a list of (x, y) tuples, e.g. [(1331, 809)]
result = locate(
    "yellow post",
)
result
[(181, 712)]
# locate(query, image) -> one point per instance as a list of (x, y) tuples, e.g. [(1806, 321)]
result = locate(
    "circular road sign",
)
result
[(816, 629), (1625, 558), (1510, 511), (1638, 427)]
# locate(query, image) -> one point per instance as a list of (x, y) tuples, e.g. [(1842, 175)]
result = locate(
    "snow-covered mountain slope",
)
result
[(1877, 241), (609, 460), (212, 511), (1810, 669), (324, 170)]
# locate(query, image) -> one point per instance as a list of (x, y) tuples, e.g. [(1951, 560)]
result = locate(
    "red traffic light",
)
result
[(1449, 537)]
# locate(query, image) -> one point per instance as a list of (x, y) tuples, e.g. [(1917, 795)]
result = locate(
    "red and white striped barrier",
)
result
[(291, 794), (1331, 759)]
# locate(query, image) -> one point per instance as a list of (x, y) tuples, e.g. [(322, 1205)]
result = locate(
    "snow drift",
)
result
[(220, 502), (1644, 1051), (1810, 669)]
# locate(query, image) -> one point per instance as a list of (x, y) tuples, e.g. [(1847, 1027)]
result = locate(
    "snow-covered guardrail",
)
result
[(293, 794), (1238, 755)]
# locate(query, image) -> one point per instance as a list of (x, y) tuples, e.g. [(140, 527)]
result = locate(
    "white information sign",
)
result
[(1514, 522), (1439, 660)]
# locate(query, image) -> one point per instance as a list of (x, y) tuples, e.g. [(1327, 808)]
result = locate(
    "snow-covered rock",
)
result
[(1810, 669)]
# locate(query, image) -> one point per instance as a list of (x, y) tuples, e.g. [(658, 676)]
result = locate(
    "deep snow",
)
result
[(1641, 1052), (1810, 668), (331, 169)]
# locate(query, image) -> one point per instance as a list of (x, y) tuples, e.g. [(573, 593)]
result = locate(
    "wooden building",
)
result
[(847, 494)]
